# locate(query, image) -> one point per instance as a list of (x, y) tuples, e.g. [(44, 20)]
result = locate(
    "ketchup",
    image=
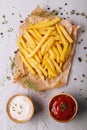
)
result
[(62, 107)]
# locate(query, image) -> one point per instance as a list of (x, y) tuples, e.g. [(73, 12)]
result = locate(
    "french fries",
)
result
[(44, 48)]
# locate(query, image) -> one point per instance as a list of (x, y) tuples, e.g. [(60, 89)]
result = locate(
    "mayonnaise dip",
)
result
[(20, 108)]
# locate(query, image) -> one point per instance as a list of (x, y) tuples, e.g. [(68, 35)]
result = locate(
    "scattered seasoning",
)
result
[(85, 47), (15, 104), (72, 12), (79, 94), (60, 8), (16, 51), (79, 42), (21, 21), (3, 16), (75, 78), (20, 15), (64, 18), (68, 17), (83, 75), (86, 55), (5, 22), (86, 17), (2, 84), (80, 59), (8, 77), (30, 85), (86, 98), (13, 109), (83, 31), (83, 14), (54, 12), (13, 6), (80, 89), (66, 4), (19, 112), (86, 61), (48, 7), (77, 14), (21, 107), (82, 81), (12, 62), (63, 107), (12, 13), (61, 13), (1, 33), (67, 13), (81, 39), (10, 30)]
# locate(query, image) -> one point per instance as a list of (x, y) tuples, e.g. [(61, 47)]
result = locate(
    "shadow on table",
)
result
[(82, 107)]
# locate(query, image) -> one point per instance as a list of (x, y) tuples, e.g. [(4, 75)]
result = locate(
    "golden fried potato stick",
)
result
[(47, 45), (21, 40), (61, 35), (65, 33), (59, 48), (52, 54), (56, 53), (34, 35), (27, 64), (35, 66), (64, 52), (50, 44), (57, 66), (29, 39), (37, 33), (50, 71), (40, 43), (48, 24)]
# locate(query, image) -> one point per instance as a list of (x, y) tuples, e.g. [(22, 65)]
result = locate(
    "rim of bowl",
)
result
[(66, 94), (15, 120)]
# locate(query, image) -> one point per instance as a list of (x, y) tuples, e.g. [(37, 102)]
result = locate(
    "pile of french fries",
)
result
[(44, 48)]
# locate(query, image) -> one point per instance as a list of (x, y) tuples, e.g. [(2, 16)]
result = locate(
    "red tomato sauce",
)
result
[(62, 107)]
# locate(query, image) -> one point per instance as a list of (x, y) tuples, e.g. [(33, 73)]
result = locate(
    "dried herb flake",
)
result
[(30, 85)]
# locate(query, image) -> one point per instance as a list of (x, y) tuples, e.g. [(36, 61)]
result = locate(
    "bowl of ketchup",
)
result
[(63, 107)]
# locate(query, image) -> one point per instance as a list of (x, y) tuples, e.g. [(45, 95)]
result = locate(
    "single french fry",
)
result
[(37, 33), (49, 23), (41, 23), (40, 44), (50, 71), (43, 70), (37, 58), (50, 43), (47, 45), (63, 55), (39, 54), (34, 65), (34, 35), (52, 54), (59, 48), (61, 64), (29, 39), (56, 53), (68, 51), (21, 40), (61, 35), (27, 64), (65, 33), (57, 66)]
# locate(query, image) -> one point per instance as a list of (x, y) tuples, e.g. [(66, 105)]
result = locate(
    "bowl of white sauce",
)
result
[(20, 108)]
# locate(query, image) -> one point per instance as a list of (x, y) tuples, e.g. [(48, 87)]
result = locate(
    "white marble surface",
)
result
[(42, 119)]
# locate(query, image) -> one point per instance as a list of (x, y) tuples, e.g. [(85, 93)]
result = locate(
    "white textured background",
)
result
[(41, 119)]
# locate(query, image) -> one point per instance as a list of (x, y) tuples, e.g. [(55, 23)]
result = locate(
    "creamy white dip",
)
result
[(20, 108)]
